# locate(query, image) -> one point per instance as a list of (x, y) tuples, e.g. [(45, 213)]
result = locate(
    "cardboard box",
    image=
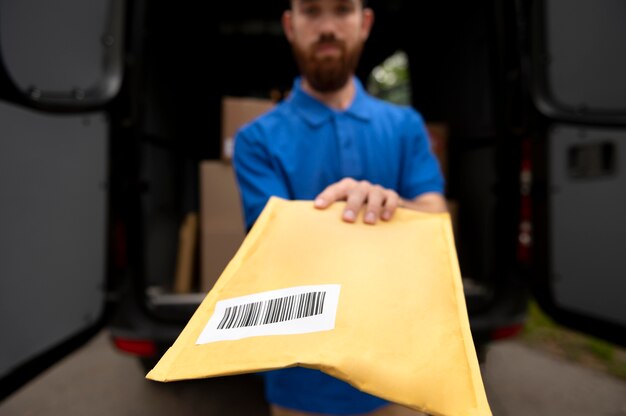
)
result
[(235, 113), (221, 220), (438, 134), (187, 254)]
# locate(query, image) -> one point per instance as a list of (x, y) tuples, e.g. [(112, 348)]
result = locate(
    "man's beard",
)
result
[(328, 73)]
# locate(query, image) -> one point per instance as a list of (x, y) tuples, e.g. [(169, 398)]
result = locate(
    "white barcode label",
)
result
[(294, 310)]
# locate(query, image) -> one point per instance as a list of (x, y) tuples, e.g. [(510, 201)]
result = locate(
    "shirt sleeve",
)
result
[(421, 172), (258, 180)]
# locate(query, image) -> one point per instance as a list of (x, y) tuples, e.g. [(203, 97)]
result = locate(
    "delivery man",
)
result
[(331, 141)]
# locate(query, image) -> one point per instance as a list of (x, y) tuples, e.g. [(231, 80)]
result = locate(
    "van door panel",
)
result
[(64, 52), (53, 172), (587, 228), (580, 60), (586, 50)]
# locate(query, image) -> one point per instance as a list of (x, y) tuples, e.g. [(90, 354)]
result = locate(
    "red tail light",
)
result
[(141, 348), (507, 331)]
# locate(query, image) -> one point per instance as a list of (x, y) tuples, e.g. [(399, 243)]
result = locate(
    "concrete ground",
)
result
[(97, 380)]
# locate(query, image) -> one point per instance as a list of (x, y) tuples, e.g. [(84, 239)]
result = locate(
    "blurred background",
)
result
[(120, 210)]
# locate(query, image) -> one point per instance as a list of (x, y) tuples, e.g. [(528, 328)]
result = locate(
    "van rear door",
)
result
[(578, 65), (60, 64)]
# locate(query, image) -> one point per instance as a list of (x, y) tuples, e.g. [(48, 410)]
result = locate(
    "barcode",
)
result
[(272, 311)]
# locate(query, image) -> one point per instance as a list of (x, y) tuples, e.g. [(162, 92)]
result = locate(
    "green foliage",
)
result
[(542, 332), (601, 349), (390, 80)]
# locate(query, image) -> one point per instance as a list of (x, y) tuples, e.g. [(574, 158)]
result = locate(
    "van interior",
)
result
[(186, 59)]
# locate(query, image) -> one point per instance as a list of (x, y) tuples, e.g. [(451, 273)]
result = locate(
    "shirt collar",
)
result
[(315, 112)]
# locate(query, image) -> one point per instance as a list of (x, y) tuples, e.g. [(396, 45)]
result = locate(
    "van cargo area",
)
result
[(185, 63)]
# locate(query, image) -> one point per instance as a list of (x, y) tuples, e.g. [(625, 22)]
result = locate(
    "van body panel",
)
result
[(53, 217)]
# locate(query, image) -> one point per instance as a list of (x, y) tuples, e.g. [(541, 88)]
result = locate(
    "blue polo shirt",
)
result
[(299, 148), (302, 146)]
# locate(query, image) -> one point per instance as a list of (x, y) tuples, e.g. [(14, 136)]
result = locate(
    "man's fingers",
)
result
[(355, 201), (335, 192), (375, 201), (392, 201)]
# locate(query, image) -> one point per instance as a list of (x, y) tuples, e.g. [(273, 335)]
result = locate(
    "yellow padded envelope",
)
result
[(380, 307)]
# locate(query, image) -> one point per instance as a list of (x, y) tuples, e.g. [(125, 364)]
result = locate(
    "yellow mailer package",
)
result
[(380, 307)]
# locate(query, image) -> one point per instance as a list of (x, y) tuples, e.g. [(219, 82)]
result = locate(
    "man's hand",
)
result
[(378, 202)]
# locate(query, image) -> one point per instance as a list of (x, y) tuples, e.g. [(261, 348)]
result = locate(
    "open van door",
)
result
[(60, 64), (578, 60)]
